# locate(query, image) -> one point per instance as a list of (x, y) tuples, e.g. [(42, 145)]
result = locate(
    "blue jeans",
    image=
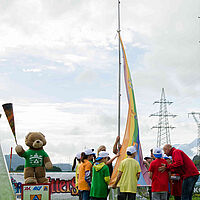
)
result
[(188, 187), (85, 194)]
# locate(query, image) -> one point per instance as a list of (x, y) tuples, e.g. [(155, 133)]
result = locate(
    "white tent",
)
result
[(6, 189)]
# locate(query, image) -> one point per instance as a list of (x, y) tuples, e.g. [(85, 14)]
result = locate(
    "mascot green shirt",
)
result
[(34, 158)]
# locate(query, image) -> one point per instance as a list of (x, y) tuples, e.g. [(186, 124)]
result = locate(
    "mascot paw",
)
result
[(19, 149), (48, 165)]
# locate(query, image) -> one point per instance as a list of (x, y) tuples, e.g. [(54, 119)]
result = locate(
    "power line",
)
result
[(194, 114), (163, 135)]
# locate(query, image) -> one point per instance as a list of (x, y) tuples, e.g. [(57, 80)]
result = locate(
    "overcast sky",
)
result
[(59, 68)]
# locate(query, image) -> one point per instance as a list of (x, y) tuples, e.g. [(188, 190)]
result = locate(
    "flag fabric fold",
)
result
[(131, 136)]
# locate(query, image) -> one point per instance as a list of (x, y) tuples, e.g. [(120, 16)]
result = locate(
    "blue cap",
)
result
[(102, 154), (157, 153)]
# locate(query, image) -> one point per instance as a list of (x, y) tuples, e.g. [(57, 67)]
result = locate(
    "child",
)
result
[(84, 180), (78, 158), (100, 177), (129, 173), (175, 180), (109, 160), (159, 180)]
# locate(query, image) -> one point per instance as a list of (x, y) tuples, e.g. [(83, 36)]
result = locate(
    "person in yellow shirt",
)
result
[(129, 173), (84, 181), (78, 158)]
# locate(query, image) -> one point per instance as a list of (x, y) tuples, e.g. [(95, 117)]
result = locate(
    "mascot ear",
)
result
[(42, 134), (27, 135)]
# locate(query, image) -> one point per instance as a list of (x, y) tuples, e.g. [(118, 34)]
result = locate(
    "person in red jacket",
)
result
[(175, 181), (184, 166)]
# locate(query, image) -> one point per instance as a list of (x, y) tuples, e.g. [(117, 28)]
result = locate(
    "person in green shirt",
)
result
[(129, 173), (100, 178)]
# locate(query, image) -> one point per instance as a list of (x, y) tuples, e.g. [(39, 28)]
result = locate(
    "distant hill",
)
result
[(17, 160), (63, 166), (190, 149)]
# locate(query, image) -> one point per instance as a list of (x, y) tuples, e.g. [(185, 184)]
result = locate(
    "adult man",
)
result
[(184, 166), (129, 173)]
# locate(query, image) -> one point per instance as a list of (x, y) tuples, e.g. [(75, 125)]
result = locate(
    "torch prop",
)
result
[(8, 109)]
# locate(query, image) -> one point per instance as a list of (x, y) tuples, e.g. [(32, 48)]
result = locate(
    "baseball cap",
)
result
[(131, 149), (102, 154), (147, 157), (157, 153), (89, 152), (78, 155)]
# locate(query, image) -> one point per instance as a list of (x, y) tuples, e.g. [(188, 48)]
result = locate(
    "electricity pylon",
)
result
[(163, 135), (198, 125)]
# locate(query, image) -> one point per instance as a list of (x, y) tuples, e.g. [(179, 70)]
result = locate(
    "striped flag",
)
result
[(131, 136), (8, 109)]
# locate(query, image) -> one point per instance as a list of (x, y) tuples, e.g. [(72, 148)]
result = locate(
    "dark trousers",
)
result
[(177, 197), (150, 193), (85, 194), (126, 196), (188, 187)]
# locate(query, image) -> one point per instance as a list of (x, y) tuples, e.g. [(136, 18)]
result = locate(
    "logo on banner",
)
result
[(37, 188), (45, 188), (36, 197), (27, 188)]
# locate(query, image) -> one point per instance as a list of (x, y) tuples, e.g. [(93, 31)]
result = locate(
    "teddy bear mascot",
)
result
[(36, 159)]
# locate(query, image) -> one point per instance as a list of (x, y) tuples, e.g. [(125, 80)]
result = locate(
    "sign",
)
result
[(62, 185), (36, 192)]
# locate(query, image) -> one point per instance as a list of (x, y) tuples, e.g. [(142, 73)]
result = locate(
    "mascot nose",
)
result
[(38, 141)]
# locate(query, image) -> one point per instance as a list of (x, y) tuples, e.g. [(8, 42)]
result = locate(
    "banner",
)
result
[(62, 185), (131, 136)]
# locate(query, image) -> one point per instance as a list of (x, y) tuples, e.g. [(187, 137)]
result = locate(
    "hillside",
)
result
[(17, 160), (190, 149)]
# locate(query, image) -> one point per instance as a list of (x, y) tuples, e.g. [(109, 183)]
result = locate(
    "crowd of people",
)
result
[(173, 173), (93, 172)]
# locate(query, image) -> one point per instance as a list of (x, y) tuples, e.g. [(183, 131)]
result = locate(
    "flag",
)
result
[(8, 109), (131, 136)]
